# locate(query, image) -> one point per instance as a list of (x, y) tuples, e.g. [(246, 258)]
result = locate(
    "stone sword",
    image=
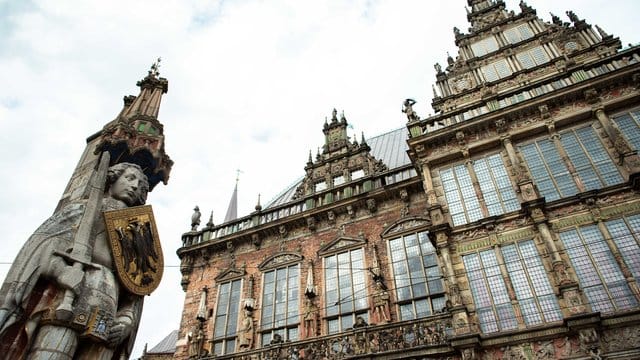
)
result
[(83, 244)]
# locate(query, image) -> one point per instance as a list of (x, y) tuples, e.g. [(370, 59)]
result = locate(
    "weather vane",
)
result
[(155, 68)]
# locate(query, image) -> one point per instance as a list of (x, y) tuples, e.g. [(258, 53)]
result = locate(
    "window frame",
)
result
[(495, 274), (591, 261), (291, 322), (227, 339), (428, 297), (461, 196), (580, 138), (356, 300)]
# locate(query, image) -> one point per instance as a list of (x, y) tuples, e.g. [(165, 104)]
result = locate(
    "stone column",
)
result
[(567, 284), (434, 207), (476, 185), (456, 305), (631, 281), (626, 155), (555, 137)]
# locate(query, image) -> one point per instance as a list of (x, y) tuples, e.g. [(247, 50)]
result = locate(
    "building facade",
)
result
[(503, 227)]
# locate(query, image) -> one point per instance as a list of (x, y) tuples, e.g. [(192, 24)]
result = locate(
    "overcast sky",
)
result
[(250, 84)]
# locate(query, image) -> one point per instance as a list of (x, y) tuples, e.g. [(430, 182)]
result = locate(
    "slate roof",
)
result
[(389, 147), (166, 345)]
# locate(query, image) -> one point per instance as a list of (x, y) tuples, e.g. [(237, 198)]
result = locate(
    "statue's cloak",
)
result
[(28, 289)]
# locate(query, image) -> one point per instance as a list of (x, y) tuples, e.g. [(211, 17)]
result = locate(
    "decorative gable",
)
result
[(341, 160), (230, 274), (280, 260), (342, 243), (405, 225)]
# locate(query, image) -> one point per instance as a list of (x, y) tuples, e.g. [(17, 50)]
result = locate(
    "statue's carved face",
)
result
[(128, 187)]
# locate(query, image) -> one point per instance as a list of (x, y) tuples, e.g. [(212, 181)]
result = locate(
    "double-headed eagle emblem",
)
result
[(136, 248)]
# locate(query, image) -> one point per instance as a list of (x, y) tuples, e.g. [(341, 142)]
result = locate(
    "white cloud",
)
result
[(250, 83)]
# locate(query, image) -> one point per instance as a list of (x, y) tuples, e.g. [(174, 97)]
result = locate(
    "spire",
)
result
[(258, 206), (136, 135), (232, 210), (210, 223)]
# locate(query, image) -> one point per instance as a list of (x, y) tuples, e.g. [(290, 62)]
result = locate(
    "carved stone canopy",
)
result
[(136, 135)]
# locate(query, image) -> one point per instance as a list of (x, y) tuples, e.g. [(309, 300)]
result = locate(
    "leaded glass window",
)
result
[(587, 156), (226, 320), (629, 125), (493, 306), (533, 290), (418, 280), (600, 276), (537, 301), (590, 158), (548, 170), (497, 192), (532, 57), (345, 291), (280, 296), (484, 46), (463, 203), (496, 70), (626, 235), (518, 33)]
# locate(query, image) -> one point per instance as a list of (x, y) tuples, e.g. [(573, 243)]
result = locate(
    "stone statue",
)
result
[(101, 317), (310, 318), (195, 219), (245, 333), (196, 342), (408, 109), (381, 303)]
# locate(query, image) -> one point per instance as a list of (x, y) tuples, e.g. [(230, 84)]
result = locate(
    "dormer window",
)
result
[(496, 70), (518, 33), (357, 174), (484, 46), (320, 186), (532, 57), (338, 180)]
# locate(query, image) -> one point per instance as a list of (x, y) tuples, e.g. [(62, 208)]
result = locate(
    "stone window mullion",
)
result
[(476, 187), (555, 137), (620, 260), (510, 288)]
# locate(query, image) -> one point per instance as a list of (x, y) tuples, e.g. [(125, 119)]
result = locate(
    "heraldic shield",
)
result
[(135, 246)]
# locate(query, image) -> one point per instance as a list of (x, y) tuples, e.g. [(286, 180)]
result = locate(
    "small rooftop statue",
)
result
[(408, 109), (195, 218)]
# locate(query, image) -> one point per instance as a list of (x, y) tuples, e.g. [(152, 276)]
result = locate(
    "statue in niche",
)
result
[(56, 304), (381, 303), (245, 341), (310, 318), (196, 341)]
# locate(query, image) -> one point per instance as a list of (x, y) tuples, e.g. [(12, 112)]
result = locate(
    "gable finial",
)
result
[(258, 206), (155, 68), (210, 222)]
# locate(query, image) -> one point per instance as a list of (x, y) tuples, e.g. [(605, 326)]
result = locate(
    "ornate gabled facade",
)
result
[(503, 227)]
